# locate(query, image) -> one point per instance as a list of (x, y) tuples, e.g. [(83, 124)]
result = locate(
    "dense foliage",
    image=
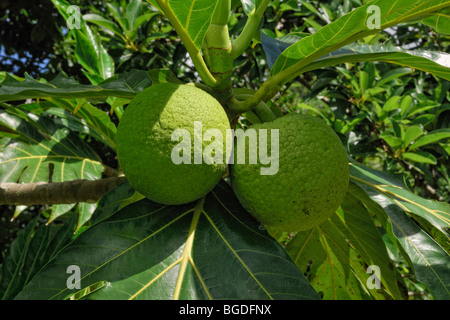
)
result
[(392, 118)]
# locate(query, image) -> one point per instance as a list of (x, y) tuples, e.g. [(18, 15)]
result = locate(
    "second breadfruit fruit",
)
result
[(311, 181)]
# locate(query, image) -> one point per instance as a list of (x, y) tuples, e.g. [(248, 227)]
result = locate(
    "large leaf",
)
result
[(52, 154), (190, 18), (211, 249), (433, 62), (67, 155), (440, 21), (81, 116), (348, 29), (125, 85), (77, 115), (430, 260), (11, 282), (437, 213)]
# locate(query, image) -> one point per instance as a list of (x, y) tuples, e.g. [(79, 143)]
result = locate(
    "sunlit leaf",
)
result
[(302, 56), (89, 51), (431, 137), (55, 156), (420, 156)]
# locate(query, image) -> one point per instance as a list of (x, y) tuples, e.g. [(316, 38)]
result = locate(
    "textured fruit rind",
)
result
[(144, 143), (310, 184)]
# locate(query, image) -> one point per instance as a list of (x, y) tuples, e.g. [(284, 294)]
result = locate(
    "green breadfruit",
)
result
[(312, 177), (145, 146)]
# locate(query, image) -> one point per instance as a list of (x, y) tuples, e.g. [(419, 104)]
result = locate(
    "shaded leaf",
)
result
[(30, 251), (437, 213), (336, 254)]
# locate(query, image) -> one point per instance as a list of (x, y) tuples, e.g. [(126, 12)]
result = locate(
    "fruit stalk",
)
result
[(261, 110), (244, 39), (218, 49)]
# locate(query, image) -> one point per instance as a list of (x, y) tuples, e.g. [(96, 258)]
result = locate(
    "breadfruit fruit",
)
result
[(159, 125), (311, 181)]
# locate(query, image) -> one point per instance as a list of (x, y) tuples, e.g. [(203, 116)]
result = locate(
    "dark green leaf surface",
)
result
[(11, 280), (208, 250), (30, 251)]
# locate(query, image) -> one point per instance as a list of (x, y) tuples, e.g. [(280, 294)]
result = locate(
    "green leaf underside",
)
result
[(125, 85), (212, 250), (440, 21), (430, 261), (437, 213), (428, 61), (194, 16)]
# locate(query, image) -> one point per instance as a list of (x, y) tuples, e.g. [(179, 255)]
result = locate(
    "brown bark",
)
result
[(56, 192)]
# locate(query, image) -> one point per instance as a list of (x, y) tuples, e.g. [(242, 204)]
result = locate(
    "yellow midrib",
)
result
[(186, 257)]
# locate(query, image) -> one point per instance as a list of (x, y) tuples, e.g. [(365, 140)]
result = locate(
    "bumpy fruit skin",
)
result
[(144, 143), (311, 182)]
